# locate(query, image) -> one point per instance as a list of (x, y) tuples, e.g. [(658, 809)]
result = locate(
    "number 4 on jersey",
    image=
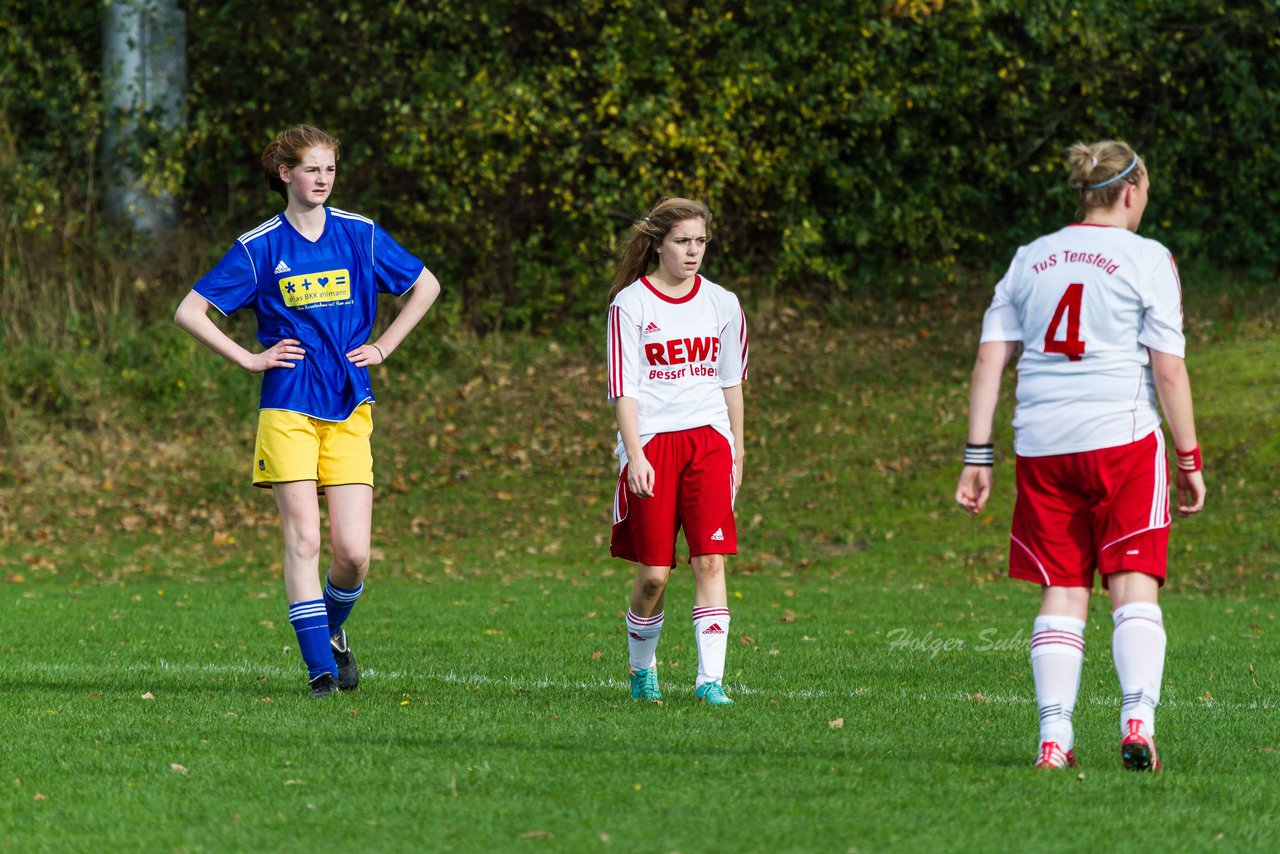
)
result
[(1071, 346)]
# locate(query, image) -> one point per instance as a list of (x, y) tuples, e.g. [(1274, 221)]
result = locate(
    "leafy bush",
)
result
[(847, 148)]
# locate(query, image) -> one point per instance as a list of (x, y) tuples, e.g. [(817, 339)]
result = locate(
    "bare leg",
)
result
[(300, 522), (350, 527), (709, 586), (648, 593)]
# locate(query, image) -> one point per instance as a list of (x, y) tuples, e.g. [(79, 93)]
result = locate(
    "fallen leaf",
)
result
[(838, 723), (596, 654), (41, 796), (536, 834), (147, 695), (174, 766)]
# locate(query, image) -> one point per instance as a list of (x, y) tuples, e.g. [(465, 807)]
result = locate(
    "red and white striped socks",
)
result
[(1138, 646), (1057, 655), (711, 631), (642, 640)]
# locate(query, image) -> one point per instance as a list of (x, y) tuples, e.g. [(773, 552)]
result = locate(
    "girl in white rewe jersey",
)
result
[(1097, 311), (677, 356)]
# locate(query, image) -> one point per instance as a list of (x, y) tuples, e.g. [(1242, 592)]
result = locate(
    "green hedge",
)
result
[(846, 148)]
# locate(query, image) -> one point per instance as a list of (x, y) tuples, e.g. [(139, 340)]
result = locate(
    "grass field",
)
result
[(151, 696)]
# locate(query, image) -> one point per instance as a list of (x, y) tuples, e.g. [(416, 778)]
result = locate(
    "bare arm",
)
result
[(984, 393), (1173, 385), (733, 397), (639, 472), (421, 297), (193, 316)]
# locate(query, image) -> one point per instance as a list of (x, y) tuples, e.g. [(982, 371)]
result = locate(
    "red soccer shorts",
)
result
[(692, 489), (1106, 510)]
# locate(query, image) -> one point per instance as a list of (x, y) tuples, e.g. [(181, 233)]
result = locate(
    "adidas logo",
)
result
[(652, 329), (713, 629), (282, 267), (718, 536)]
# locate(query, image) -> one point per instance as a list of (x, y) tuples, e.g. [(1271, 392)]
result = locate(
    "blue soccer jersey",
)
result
[(324, 294)]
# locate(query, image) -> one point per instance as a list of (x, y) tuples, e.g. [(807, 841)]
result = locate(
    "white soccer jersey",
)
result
[(1085, 303), (676, 356)]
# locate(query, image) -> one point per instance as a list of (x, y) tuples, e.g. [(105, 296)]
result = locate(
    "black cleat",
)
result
[(348, 672), (323, 686)]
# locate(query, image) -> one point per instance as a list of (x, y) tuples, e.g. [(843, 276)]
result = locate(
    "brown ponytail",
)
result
[(639, 252)]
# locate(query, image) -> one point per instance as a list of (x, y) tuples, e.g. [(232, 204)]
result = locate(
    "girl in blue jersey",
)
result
[(312, 275)]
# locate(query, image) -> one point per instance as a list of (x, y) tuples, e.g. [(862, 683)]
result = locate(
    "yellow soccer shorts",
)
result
[(292, 446)]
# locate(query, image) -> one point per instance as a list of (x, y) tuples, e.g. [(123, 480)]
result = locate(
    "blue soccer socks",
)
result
[(338, 602), (311, 623)]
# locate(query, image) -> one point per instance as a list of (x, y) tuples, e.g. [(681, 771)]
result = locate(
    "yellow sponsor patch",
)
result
[(315, 288)]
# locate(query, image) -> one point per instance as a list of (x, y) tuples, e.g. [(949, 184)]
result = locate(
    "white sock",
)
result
[(1138, 645), (711, 631), (1057, 655), (642, 639)]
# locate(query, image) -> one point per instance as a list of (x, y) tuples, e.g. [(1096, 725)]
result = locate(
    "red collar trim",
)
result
[(693, 292)]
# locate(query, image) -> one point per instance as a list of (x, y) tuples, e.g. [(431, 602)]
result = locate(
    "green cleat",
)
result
[(712, 694), (644, 685)]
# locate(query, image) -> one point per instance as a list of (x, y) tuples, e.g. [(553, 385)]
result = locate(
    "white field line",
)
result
[(521, 683)]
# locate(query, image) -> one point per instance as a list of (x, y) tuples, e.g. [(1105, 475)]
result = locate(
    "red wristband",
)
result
[(1190, 460)]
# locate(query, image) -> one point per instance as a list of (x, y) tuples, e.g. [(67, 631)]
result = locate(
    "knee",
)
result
[(304, 547), (351, 563), (708, 566), (651, 587)]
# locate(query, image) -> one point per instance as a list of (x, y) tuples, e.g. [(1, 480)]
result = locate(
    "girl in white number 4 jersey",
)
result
[(1098, 313), (677, 356)]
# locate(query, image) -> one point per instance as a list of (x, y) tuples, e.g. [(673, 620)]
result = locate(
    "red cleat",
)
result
[(1052, 756), (1138, 750)]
